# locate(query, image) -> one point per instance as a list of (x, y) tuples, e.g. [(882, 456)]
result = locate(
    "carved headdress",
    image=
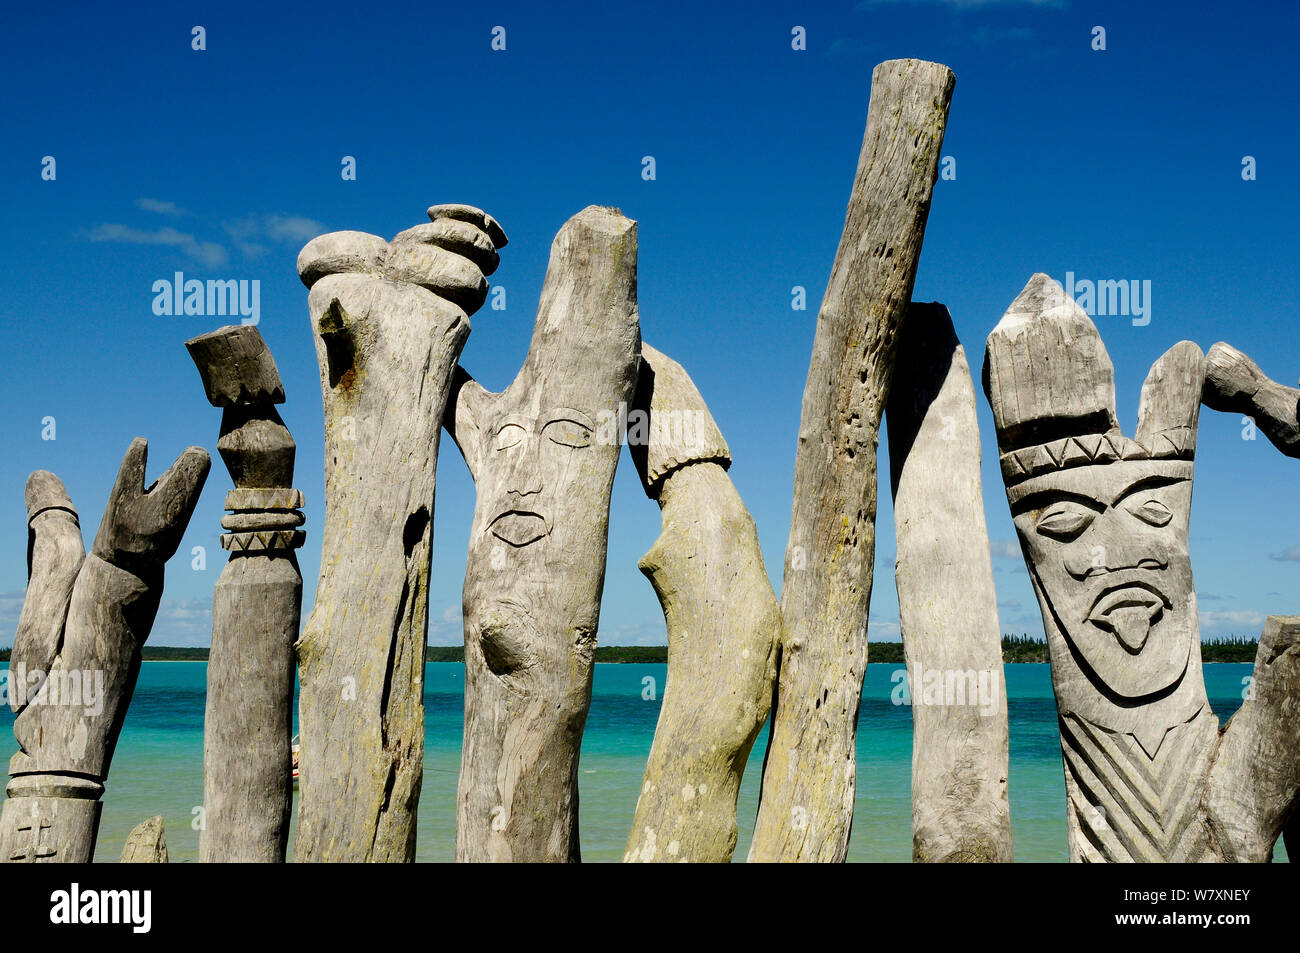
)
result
[(1052, 389)]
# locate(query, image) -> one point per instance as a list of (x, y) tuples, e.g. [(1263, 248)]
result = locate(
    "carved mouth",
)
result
[(519, 527), (1129, 613)]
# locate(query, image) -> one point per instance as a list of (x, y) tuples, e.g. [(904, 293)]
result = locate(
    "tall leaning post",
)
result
[(947, 602), (810, 775), (389, 319), (248, 723)]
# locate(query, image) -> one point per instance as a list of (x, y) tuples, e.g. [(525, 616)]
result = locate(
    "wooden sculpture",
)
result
[(723, 622), (390, 319), (1102, 520), (83, 623), (543, 468), (248, 720)]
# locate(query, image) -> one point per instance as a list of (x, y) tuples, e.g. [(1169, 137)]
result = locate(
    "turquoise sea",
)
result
[(158, 768)]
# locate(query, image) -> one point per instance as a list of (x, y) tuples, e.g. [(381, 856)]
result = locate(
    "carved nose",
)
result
[(1114, 558)]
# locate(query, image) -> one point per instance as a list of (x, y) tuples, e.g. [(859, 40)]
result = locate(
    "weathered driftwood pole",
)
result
[(542, 454), (723, 622), (390, 319), (1265, 736), (147, 842), (248, 721), (68, 728), (809, 778), (947, 605), (1102, 520)]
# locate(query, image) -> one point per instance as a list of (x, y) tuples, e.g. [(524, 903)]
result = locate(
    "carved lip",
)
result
[(1128, 612), (519, 527)]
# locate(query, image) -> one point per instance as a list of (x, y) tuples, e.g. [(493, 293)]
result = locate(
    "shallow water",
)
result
[(158, 768)]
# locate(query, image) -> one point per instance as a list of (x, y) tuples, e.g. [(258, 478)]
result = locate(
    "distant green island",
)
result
[(1015, 648)]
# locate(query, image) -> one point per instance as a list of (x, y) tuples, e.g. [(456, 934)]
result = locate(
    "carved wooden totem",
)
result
[(77, 649), (542, 455), (390, 319), (248, 721), (1102, 520)]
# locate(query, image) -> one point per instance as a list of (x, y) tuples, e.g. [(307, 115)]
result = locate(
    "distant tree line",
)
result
[(1015, 648)]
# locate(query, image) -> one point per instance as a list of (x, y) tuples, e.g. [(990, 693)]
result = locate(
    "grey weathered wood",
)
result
[(147, 842), (723, 623), (67, 733), (542, 453), (55, 552), (809, 777), (1235, 384), (388, 333), (947, 605), (248, 720), (1103, 520), (1254, 786)]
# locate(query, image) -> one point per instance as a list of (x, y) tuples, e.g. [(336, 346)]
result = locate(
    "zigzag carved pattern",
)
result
[(1127, 807)]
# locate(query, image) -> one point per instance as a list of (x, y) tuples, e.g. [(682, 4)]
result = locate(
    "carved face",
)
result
[(532, 458), (1107, 549)]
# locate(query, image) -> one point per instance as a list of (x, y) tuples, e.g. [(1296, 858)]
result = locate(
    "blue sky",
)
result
[(1117, 164)]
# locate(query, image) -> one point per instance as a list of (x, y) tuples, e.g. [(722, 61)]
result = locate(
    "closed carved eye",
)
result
[(1064, 522), (1153, 512), (568, 433), (507, 436)]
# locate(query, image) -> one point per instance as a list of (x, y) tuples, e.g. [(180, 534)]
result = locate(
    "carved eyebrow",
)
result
[(1044, 497), (567, 413), (1148, 483)]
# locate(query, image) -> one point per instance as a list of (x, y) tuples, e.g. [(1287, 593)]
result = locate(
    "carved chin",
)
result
[(519, 527), (1134, 651)]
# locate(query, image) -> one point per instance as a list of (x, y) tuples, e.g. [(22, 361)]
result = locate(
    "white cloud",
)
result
[(252, 232), (1289, 555), (636, 633), (207, 253), (159, 206), (1004, 549), (182, 622), (11, 606), (1243, 622), (447, 629), (884, 632)]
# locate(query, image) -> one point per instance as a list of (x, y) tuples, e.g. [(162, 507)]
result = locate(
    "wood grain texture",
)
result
[(147, 843), (947, 603), (68, 732), (809, 777), (388, 333), (256, 608), (543, 454), (1235, 384), (55, 551), (723, 624)]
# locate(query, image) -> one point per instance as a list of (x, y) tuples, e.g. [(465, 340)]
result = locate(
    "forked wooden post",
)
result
[(68, 725)]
